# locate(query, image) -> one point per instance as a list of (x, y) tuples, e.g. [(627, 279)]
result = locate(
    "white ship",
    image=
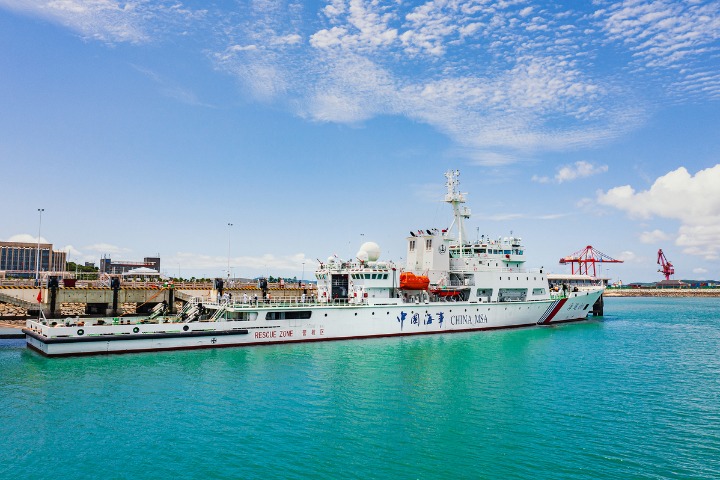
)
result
[(449, 284)]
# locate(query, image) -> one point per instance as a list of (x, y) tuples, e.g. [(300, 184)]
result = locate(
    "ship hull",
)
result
[(325, 323)]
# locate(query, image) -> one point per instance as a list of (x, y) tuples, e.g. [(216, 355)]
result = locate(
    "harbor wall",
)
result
[(662, 292), (21, 302)]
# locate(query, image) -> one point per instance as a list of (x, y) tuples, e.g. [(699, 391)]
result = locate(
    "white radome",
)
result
[(371, 249)]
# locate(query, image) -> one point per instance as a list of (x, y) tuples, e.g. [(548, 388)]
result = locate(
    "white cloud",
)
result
[(80, 257), (170, 90), (511, 77), (552, 216), (108, 20), (26, 238), (106, 248), (267, 262), (700, 270), (475, 72), (568, 173), (667, 35), (242, 48), (579, 169), (654, 236), (501, 217), (487, 158), (694, 201), (628, 256), (633, 258), (71, 251)]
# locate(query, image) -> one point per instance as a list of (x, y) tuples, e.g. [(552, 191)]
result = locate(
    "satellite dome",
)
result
[(371, 249), (362, 255)]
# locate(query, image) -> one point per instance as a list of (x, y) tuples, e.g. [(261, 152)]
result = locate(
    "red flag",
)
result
[(39, 297)]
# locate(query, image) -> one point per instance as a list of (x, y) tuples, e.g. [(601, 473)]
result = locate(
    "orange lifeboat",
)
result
[(410, 281)]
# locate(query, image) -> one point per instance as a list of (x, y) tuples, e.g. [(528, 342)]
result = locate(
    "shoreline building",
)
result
[(19, 259), (123, 266)]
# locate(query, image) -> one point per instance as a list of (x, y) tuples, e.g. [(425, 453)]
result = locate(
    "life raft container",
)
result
[(410, 281)]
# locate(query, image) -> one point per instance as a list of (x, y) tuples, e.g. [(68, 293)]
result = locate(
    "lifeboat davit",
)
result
[(410, 281)]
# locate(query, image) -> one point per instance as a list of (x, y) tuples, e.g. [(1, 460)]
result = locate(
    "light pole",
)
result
[(228, 270), (37, 256), (302, 279)]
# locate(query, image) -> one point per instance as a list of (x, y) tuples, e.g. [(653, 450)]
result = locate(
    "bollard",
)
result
[(115, 285)]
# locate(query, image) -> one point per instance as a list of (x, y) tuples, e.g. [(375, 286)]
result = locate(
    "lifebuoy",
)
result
[(81, 332), (136, 330)]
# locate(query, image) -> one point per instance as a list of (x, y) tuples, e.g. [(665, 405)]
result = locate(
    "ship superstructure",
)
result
[(457, 269)]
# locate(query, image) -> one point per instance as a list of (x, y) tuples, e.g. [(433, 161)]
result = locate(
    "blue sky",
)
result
[(145, 127)]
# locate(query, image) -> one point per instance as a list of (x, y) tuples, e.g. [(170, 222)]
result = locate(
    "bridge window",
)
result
[(291, 315)]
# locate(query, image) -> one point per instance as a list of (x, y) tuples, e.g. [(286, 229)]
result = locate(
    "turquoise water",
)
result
[(634, 395)]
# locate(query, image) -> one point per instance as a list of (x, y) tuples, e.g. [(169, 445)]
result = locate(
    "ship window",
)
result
[(412, 245), (538, 291), (385, 276), (374, 276), (367, 276), (428, 244), (292, 315)]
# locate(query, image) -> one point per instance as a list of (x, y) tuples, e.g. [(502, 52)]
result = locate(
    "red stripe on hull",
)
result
[(555, 311)]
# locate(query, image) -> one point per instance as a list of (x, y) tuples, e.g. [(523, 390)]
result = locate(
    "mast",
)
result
[(455, 198)]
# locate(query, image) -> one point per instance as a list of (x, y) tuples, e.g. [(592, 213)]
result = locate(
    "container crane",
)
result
[(666, 268), (586, 258)]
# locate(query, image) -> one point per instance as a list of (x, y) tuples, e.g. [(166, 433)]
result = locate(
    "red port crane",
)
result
[(666, 268), (586, 258)]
